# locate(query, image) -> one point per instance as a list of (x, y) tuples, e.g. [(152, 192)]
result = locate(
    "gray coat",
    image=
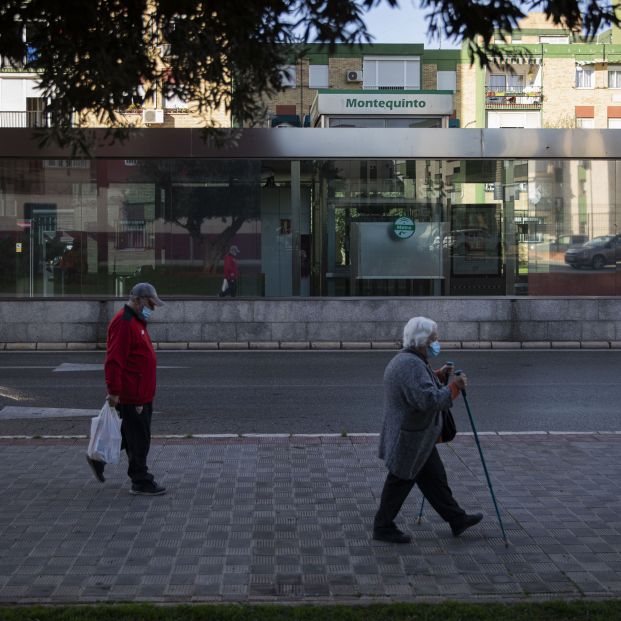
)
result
[(413, 402)]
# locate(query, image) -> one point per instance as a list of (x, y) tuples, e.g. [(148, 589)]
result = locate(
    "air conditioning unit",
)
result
[(354, 76), (153, 117)]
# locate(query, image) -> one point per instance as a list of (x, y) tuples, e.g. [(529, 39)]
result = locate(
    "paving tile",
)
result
[(288, 519)]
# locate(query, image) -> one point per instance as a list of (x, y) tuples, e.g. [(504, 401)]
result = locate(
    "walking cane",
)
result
[(447, 375), (489, 482)]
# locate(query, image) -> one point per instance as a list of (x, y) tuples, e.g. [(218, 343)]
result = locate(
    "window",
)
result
[(614, 76), (288, 76), (585, 123), (522, 118), (447, 81), (584, 77), (318, 76), (398, 122), (174, 102), (391, 72), (503, 82), (614, 123)]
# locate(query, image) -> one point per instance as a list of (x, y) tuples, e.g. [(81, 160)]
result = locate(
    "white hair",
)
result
[(417, 331)]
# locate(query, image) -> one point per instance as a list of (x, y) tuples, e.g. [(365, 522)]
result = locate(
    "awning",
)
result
[(589, 61)]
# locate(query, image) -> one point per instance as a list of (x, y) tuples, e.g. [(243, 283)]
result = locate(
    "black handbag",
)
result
[(449, 429)]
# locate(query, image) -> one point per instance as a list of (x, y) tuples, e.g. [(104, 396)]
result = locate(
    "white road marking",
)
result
[(12, 412), (77, 366), (74, 366), (9, 393)]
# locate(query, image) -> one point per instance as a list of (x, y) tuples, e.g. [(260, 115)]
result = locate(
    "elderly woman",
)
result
[(414, 398)]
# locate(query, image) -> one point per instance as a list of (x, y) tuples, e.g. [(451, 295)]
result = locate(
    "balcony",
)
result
[(23, 118), (513, 98)]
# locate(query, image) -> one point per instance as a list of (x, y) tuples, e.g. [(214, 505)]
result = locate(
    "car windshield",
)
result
[(598, 241)]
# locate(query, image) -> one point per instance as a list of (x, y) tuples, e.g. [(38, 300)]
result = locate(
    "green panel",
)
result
[(544, 31), (445, 60)]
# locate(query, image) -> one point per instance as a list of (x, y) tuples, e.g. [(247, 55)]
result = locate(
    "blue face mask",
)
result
[(146, 312), (433, 349)]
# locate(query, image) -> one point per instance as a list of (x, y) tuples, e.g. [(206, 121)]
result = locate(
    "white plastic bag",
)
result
[(105, 442), (225, 286)]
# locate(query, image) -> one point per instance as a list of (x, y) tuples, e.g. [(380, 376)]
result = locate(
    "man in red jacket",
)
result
[(130, 379), (231, 273)]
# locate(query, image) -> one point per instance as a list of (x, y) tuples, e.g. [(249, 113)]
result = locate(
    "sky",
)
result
[(405, 24)]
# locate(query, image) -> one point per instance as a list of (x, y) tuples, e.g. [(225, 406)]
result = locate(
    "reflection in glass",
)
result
[(311, 228)]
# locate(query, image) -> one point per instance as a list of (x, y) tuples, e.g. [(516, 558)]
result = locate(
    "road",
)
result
[(313, 392)]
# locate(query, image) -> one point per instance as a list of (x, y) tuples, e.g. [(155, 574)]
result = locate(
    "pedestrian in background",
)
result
[(130, 369), (231, 273), (414, 398)]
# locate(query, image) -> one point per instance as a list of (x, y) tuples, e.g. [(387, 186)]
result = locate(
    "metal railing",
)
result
[(514, 97), (23, 118)]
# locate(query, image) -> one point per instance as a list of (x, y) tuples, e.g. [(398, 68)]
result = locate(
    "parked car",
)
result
[(596, 253), (564, 242)]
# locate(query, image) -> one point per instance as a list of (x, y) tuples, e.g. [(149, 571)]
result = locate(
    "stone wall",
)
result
[(337, 322)]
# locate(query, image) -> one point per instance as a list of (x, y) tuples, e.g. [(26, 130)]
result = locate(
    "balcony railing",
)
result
[(513, 98), (24, 119)]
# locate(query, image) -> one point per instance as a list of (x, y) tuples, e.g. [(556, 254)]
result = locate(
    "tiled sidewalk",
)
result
[(284, 519)]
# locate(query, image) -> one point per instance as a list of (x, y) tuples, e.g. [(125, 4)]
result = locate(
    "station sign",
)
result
[(378, 103)]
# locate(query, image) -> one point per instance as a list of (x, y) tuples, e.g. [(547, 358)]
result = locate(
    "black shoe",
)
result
[(392, 535), (97, 467), (465, 522), (147, 489)]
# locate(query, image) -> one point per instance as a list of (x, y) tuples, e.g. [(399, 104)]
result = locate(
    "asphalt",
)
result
[(288, 518)]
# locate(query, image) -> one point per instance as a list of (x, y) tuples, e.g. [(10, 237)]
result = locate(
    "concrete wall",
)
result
[(467, 322)]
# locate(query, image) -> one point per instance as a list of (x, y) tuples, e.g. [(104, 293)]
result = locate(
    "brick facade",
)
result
[(338, 68), (430, 77), (465, 95), (563, 102)]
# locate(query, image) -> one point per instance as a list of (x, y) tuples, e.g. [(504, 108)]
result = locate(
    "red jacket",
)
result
[(130, 359), (231, 271)]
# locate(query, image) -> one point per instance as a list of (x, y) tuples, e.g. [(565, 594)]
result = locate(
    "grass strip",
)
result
[(449, 611)]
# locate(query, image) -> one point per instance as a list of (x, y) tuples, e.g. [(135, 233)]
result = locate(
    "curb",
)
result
[(319, 345), (317, 436)]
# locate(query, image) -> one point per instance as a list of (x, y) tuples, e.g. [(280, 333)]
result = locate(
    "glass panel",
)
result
[(391, 74), (318, 76), (497, 81), (414, 122), (478, 227), (584, 77), (356, 121), (447, 80), (585, 123), (614, 77), (412, 74), (369, 73)]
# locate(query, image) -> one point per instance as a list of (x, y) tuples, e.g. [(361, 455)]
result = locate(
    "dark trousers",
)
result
[(432, 482), (231, 290), (136, 433)]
